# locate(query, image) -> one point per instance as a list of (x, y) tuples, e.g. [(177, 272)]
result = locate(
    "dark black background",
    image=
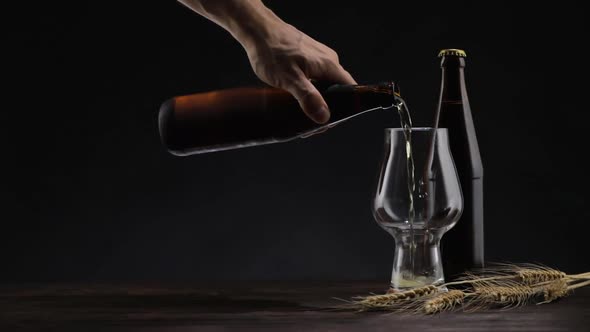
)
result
[(90, 194)]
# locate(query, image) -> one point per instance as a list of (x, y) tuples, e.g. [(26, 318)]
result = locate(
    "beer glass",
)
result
[(418, 198)]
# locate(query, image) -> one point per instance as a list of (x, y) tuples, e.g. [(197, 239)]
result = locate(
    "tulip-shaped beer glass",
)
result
[(417, 202)]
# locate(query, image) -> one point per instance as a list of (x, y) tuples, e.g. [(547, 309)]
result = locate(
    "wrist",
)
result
[(249, 22), (252, 23)]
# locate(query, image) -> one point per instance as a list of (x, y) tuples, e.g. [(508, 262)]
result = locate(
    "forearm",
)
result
[(246, 20)]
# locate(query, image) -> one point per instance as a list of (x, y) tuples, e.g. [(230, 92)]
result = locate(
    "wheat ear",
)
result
[(554, 290), (500, 296), (528, 274), (384, 301), (443, 302)]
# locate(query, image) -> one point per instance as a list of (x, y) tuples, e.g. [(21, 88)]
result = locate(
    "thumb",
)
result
[(310, 100)]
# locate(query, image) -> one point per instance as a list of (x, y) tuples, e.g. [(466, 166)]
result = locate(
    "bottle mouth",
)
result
[(452, 52)]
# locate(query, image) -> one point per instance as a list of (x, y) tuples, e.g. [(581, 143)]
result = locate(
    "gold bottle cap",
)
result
[(452, 51)]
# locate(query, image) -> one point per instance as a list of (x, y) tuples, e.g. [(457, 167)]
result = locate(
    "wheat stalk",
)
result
[(503, 285), (585, 276), (578, 285)]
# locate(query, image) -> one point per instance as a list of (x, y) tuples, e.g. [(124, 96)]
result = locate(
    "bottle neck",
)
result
[(385, 88), (453, 88), (383, 95)]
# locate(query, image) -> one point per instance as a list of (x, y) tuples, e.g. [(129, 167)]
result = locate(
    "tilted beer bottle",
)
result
[(463, 245), (248, 116)]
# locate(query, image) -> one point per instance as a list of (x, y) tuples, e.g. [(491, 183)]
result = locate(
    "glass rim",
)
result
[(416, 129)]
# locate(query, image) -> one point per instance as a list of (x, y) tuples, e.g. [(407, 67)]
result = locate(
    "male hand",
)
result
[(287, 58)]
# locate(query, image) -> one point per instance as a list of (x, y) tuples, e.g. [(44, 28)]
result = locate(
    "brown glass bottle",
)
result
[(248, 116), (462, 246)]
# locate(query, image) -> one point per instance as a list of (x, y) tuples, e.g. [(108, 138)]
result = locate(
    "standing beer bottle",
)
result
[(249, 116), (463, 245)]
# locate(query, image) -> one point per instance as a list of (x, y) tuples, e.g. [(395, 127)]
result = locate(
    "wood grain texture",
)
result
[(253, 306)]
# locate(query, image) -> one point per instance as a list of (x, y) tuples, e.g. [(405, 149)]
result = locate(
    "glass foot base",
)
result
[(402, 285)]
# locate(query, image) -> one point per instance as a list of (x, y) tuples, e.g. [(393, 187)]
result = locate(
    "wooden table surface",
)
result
[(253, 306)]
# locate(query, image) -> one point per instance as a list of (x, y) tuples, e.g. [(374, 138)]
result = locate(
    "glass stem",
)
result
[(421, 266)]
